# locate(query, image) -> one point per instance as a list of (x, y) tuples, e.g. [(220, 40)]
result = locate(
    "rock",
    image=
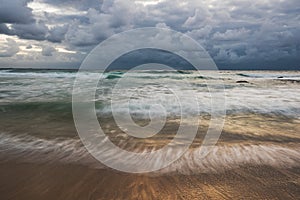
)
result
[(290, 81), (112, 76), (183, 72), (242, 82)]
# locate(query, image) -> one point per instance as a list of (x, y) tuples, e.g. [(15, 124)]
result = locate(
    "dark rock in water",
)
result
[(242, 82), (117, 72), (201, 77), (290, 81), (280, 77), (112, 76), (245, 75), (182, 72)]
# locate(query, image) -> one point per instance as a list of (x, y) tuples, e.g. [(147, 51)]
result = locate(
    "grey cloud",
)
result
[(48, 50), (144, 56), (200, 18), (57, 33), (244, 33), (9, 48), (291, 7), (100, 26), (78, 4), (35, 31), (5, 30), (15, 11), (232, 35), (81, 35)]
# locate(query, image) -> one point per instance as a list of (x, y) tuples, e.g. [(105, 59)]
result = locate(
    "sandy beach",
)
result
[(246, 166), (257, 155), (32, 181), (149, 100)]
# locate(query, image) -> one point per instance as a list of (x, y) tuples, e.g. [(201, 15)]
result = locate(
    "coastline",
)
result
[(34, 181), (256, 157)]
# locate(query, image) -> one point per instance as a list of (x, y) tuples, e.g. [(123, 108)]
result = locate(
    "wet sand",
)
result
[(257, 157), (33, 181)]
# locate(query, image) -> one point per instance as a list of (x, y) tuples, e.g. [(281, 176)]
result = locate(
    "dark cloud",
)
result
[(144, 56), (57, 33), (35, 31), (235, 33), (78, 4), (15, 11), (100, 25), (5, 30)]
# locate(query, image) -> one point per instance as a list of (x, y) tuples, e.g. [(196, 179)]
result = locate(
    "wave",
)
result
[(38, 73), (244, 75), (270, 75), (233, 156), (46, 90), (45, 107), (141, 108), (26, 148)]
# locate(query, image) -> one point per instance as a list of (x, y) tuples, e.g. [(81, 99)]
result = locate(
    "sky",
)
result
[(238, 34)]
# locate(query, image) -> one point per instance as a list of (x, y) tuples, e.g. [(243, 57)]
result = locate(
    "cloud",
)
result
[(78, 4), (235, 33), (5, 30), (9, 48), (48, 50), (144, 56), (112, 18), (57, 33), (232, 34), (35, 31), (201, 17), (162, 25), (15, 11)]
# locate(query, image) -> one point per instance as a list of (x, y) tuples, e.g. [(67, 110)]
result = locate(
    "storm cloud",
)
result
[(237, 34), (15, 11)]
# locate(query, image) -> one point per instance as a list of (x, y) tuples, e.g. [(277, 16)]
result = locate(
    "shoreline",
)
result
[(36, 181)]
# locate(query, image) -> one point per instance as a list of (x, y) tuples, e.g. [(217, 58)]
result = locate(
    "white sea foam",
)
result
[(30, 149), (265, 92)]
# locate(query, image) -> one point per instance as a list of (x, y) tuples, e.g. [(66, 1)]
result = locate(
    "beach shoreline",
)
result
[(40, 181), (257, 155)]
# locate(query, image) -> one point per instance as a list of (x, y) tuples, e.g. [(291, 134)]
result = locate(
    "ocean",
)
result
[(260, 132)]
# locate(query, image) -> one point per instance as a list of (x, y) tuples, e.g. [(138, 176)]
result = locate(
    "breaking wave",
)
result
[(26, 148)]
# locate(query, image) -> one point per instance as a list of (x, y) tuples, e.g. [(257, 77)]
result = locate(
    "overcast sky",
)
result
[(238, 34)]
